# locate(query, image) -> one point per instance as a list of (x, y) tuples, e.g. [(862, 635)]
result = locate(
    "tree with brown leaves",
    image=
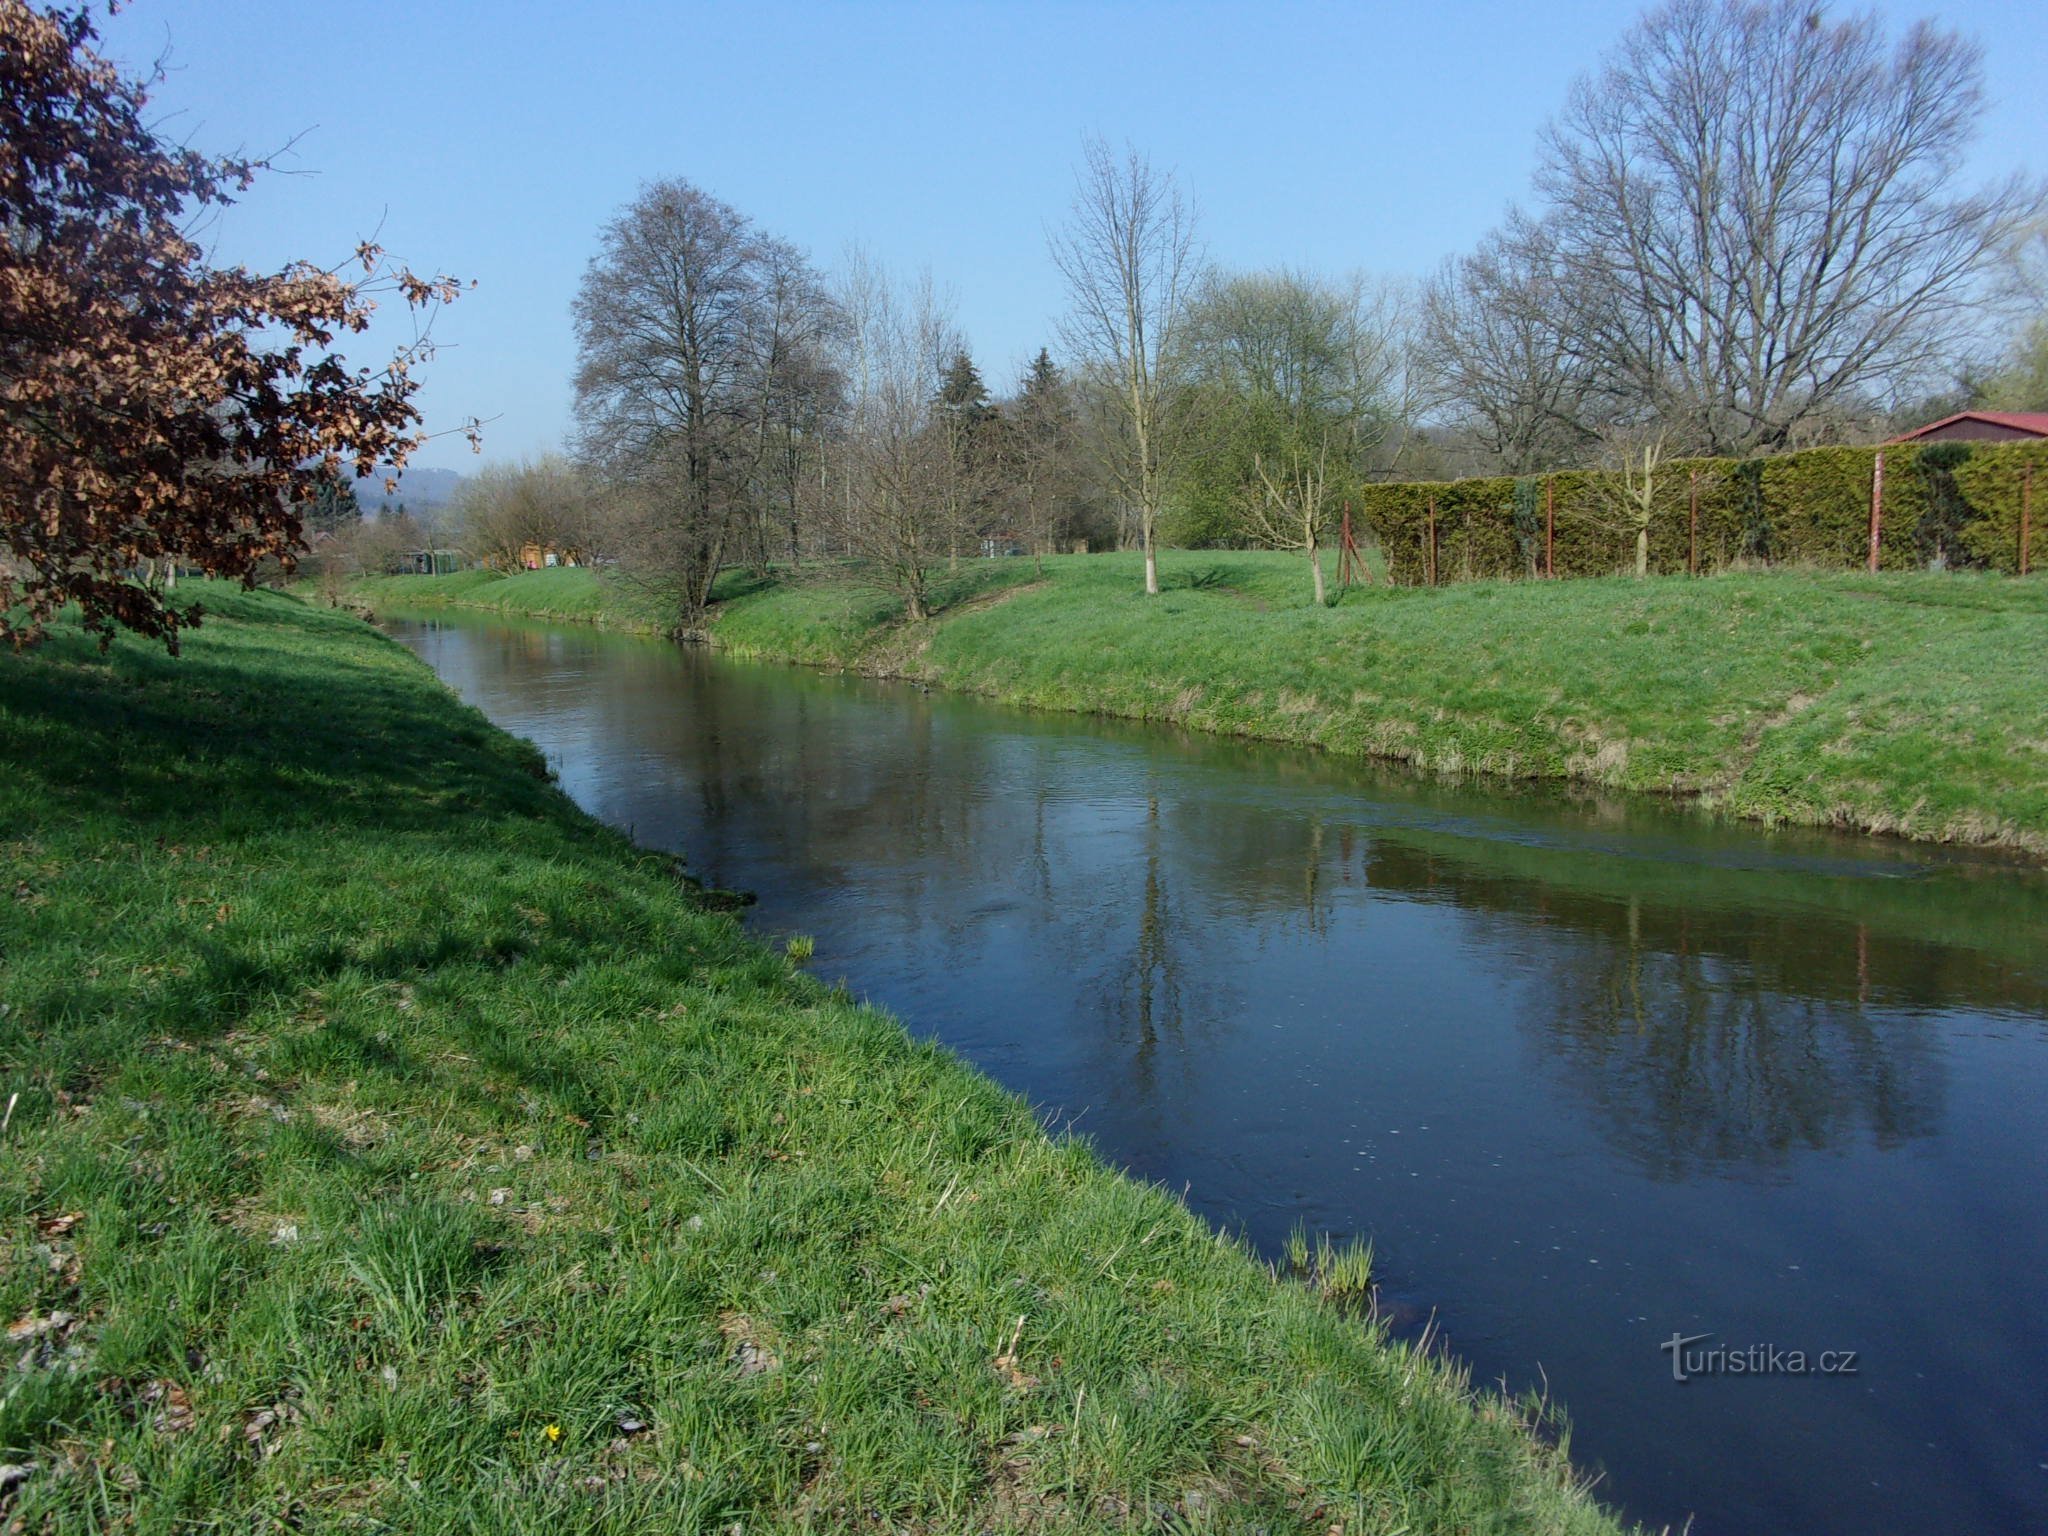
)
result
[(157, 411)]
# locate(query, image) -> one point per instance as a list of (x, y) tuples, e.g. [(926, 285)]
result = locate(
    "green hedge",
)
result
[(1810, 508)]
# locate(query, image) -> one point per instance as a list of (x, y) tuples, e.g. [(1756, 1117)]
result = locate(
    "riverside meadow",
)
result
[(389, 1143), (1907, 703)]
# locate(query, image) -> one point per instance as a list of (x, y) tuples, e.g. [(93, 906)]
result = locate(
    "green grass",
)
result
[(1901, 704), (1911, 704), (394, 1148), (568, 594)]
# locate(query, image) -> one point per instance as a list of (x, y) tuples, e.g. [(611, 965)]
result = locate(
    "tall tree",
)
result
[(685, 322), (1759, 219), (1128, 256), (1503, 355), (156, 410), (1297, 380), (895, 507), (2019, 382), (801, 396), (968, 428), (1040, 455)]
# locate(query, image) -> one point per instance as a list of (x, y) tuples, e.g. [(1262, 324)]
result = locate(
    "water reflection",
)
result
[(1586, 1072)]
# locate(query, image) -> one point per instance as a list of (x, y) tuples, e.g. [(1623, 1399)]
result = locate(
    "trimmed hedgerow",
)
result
[(1959, 502)]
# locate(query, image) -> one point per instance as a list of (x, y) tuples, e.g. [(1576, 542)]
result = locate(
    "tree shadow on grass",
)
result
[(1200, 578), (250, 733)]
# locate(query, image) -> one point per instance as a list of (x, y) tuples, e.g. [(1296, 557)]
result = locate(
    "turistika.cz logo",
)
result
[(1688, 1360)]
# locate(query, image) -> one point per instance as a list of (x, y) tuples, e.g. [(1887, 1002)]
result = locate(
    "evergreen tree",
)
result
[(969, 426), (963, 396), (333, 508), (1043, 458)]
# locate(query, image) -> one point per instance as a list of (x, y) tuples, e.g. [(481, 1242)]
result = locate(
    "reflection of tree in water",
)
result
[(1706, 1036), (1208, 877), (1150, 989), (1694, 1066), (1706, 1040)]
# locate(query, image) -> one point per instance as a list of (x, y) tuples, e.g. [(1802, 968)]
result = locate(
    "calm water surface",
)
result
[(1587, 1075)]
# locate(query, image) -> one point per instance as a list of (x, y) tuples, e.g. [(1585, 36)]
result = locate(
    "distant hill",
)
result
[(417, 487)]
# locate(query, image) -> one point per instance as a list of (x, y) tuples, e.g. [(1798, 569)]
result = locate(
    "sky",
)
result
[(495, 140)]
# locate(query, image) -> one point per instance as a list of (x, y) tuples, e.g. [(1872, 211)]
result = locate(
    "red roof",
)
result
[(2034, 423)]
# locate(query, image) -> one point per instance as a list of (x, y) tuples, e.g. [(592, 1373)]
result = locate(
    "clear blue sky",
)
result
[(493, 140)]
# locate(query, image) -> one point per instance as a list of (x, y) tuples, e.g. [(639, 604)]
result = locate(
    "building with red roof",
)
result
[(1981, 427)]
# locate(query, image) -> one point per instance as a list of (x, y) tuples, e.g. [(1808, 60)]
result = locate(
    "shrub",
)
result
[(1959, 501)]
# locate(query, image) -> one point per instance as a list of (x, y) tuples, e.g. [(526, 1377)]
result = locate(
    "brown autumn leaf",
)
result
[(173, 1407), (30, 1329)]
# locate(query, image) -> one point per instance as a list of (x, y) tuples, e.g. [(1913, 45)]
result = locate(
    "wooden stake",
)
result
[(1550, 528), (1351, 564), (1431, 548), (2026, 512), (1876, 505), (1692, 545)]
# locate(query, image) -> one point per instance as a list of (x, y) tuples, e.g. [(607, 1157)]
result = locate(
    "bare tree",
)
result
[(1757, 214), (384, 545), (895, 504), (1634, 458), (1503, 360), (1128, 256), (687, 321), (1298, 384), (799, 394), (504, 508), (1294, 511), (2019, 379)]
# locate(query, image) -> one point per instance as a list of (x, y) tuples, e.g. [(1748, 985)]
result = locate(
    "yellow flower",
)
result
[(553, 1432)]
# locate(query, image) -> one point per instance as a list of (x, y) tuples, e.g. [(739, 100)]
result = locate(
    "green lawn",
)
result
[(1914, 704), (391, 1147), (569, 593)]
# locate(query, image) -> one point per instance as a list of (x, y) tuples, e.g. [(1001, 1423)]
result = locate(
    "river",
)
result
[(1589, 1074)]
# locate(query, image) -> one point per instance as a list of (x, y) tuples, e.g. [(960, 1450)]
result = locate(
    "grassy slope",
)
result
[(1911, 704), (389, 1132), (569, 593)]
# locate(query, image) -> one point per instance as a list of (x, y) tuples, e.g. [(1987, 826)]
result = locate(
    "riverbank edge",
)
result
[(448, 977), (895, 650)]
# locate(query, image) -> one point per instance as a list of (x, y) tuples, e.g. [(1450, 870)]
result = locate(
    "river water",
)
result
[(1589, 1074)]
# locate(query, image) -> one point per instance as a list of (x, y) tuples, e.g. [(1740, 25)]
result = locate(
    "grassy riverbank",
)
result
[(565, 594), (1903, 703), (396, 1148)]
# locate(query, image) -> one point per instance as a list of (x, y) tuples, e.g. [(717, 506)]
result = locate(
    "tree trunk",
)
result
[(1151, 561), (1642, 551), (1315, 566)]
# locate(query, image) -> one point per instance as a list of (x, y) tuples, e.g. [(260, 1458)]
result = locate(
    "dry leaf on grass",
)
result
[(749, 1351), (1008, 1365)]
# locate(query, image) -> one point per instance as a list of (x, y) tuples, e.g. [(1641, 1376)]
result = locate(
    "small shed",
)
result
[(1981, 427), (430, 562), (545, 557)]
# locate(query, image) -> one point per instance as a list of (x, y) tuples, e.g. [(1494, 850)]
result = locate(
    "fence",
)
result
[(1959, 503)]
